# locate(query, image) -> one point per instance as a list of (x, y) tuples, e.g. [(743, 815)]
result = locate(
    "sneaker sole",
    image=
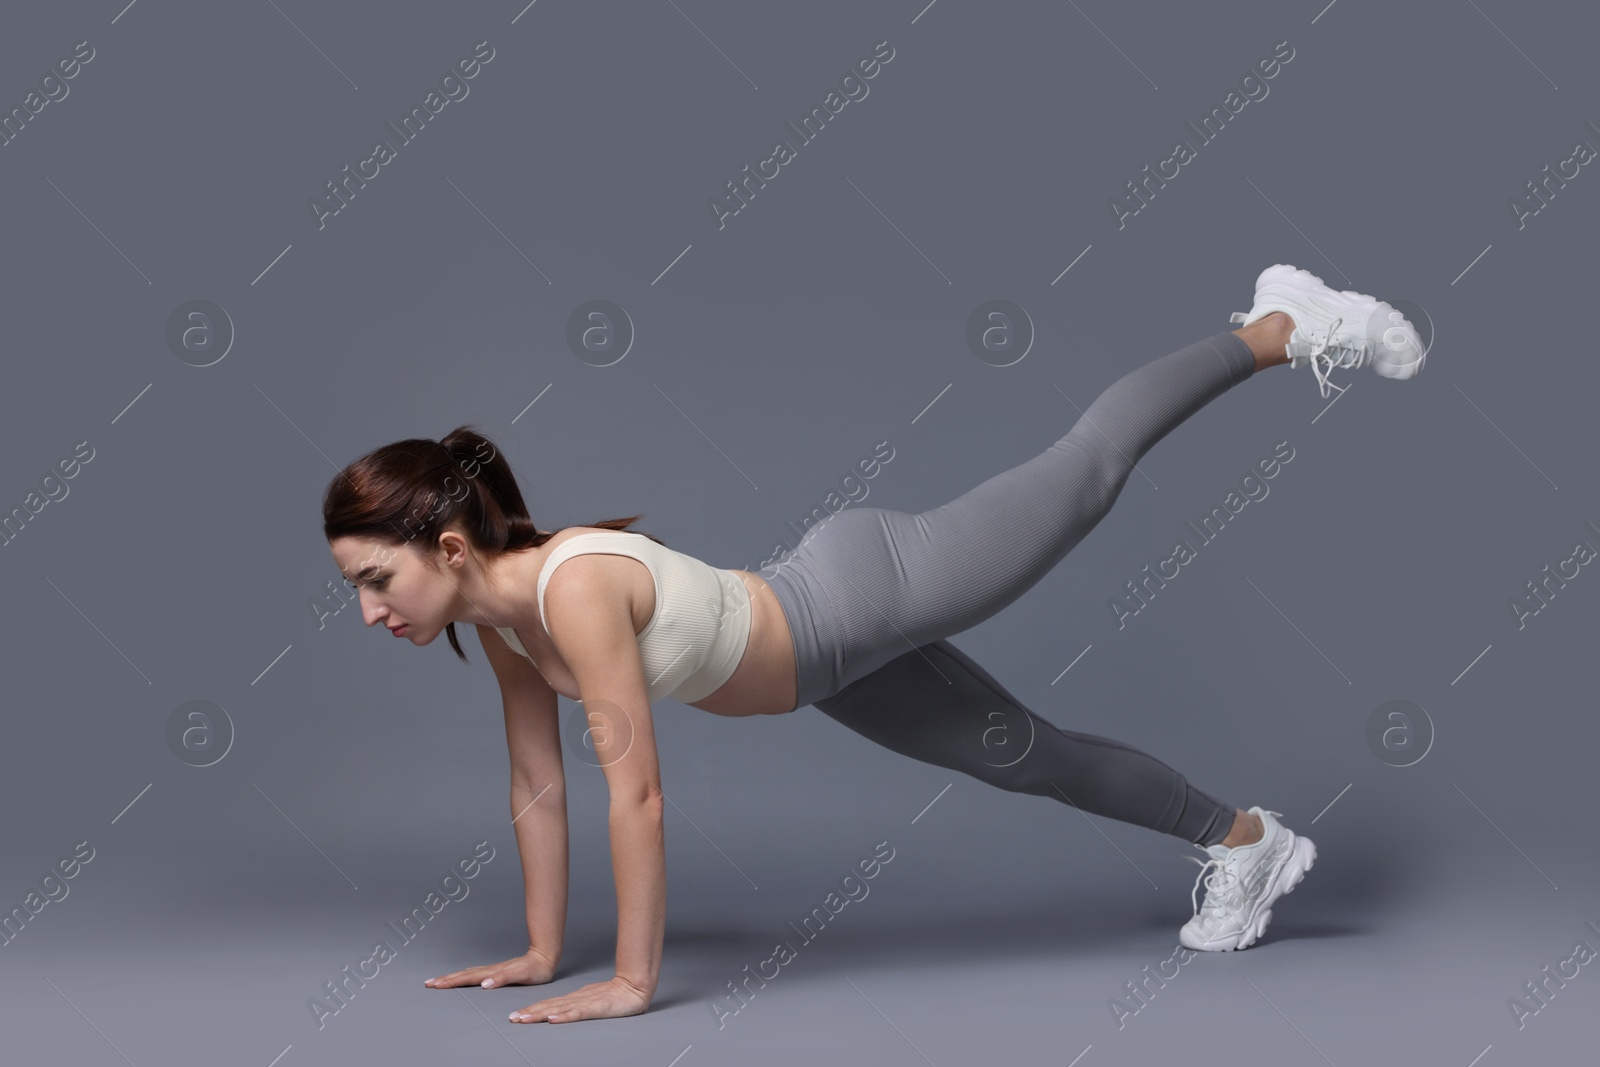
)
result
[(1401, 355), (1301, 856)]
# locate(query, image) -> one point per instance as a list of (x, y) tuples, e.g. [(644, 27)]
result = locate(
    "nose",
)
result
[(369, 614)]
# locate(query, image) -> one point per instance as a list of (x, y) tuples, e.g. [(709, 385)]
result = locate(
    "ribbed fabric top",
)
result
[(701, 625)]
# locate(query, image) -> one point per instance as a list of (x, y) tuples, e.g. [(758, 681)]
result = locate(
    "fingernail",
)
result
[(487, 982)]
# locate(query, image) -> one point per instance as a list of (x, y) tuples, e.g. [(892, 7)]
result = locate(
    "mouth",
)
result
[(399, 631)]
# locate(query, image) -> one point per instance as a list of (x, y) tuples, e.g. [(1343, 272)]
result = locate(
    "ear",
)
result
[(453, 549)]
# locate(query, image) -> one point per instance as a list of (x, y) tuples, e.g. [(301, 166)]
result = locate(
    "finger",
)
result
[(445, 981), (470, 976), (535, 1012)]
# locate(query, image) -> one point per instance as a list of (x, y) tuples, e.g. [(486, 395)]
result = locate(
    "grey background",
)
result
[(826, 316)]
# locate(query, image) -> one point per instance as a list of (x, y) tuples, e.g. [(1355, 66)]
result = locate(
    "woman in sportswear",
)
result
[(855, 623)]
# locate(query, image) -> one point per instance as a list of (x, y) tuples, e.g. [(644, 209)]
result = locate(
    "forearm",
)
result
[(639, 861), (541, 829)]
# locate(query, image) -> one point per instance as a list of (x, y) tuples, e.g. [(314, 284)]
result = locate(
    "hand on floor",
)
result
[(612, 999), (529, 969)]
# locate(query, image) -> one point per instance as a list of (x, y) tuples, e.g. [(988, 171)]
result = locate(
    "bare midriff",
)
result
[(764, 683)]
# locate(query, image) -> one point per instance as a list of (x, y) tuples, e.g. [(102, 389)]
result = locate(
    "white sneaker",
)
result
[(1243, 884), (1336, 328)]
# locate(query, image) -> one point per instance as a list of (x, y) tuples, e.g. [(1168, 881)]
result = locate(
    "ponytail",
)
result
[(415, 489)]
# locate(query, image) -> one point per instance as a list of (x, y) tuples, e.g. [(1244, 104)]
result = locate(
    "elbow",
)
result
[(642, 800)]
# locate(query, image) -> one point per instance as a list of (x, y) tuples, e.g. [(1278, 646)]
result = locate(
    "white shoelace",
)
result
[(1346, 353), (1222, 886), (1223, 889)]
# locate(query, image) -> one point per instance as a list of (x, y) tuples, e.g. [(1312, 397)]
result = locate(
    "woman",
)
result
[(854, 623)]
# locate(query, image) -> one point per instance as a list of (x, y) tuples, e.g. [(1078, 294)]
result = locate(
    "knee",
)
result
[(1020, 769), (1102, 469)]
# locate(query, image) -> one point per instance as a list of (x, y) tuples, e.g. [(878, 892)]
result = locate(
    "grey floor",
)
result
[(1002, 925), (1383, 647)]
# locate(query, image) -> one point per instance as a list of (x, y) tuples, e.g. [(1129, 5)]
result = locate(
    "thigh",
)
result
[(975, 555), (935, 704), (892, 581)]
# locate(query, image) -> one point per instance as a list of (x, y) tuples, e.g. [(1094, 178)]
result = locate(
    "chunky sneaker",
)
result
[(1243, 884), (1335, 328)]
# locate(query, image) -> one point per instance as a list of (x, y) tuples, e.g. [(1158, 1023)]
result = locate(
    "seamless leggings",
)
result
[(871, 594)]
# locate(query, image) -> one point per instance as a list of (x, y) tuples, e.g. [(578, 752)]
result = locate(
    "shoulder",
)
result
[(588, 612), (580, 568), (588, 582), (609, 572)]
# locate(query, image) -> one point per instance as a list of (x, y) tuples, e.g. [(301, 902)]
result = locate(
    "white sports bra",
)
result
[(701, 625)]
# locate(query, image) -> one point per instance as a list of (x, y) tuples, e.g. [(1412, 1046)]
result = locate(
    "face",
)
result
[(395, 587)]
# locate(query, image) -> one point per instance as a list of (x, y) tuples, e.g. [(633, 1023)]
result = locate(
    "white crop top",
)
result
[(701, 625)]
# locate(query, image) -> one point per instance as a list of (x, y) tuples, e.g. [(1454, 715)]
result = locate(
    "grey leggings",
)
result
[(871, 594)]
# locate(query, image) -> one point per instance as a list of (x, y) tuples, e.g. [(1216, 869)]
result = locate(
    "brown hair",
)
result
[(415, 489)]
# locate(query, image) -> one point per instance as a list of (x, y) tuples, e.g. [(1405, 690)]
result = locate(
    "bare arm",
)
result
[(538, 792), (539, 818), (592, 616)]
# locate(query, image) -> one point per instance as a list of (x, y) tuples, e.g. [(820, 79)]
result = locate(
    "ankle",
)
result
[(1268, 339), (1247, 829)]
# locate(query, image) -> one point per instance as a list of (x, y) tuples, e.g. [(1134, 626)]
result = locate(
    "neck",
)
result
[(504, 592)]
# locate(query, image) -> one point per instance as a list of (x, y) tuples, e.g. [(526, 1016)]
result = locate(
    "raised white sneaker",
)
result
[(1243, 883), (1336, 328)]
